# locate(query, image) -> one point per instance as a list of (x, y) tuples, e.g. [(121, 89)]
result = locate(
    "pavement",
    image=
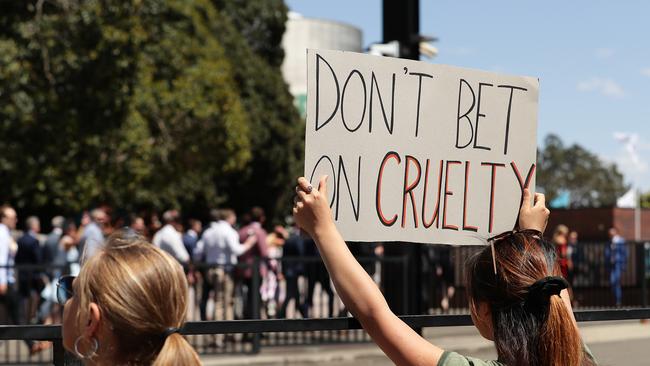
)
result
[(610, 342)]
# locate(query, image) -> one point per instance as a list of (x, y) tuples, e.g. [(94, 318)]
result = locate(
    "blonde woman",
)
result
[(126, 307)]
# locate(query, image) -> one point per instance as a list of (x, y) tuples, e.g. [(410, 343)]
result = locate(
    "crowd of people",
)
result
[(218, 259)]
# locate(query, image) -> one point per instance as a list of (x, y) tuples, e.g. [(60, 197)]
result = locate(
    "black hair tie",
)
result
[(540, 292), (169, 331)]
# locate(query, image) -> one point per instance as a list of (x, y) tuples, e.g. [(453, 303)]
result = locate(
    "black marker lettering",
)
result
[(343, 173), (417, 116), (479, 115), (338, 92), (512, 89), (311, 178), (373, 83), (365, 102), (464, 116)]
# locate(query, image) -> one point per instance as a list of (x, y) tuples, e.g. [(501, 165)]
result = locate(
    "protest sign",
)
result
[(419, 152)]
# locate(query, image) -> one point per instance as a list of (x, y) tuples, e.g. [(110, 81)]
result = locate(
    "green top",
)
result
[(454, 359)]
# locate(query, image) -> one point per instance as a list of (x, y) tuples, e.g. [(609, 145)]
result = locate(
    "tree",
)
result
[(260, 23), (589, 181), (139, 105), (276, 129)]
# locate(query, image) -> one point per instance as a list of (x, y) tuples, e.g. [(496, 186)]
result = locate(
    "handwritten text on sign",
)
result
[(419, 152)]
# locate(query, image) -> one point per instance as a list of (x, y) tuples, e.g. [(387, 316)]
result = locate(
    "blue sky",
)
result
[(592, 58)]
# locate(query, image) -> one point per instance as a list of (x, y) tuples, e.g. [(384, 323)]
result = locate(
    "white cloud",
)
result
[(631, 160), (605, 52), (604, 86), (631, 142), (645, 71)]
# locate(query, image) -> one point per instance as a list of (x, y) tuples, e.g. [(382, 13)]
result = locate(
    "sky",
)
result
[(592, 59)]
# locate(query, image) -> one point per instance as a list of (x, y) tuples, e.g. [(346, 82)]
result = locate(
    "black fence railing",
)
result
[(296, 288), (61, 357), (589, 275)]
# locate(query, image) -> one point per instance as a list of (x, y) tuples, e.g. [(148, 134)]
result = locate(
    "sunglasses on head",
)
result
[(64, 290), (535, 234)]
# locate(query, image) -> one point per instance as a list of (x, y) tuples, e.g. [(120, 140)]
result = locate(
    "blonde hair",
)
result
[(561, 230), (142, 292)]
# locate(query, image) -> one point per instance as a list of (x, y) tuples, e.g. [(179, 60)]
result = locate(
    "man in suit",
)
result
[(29, 252), (53, 255), (8, 294), (294, 246), (191, 236), (615, 261)]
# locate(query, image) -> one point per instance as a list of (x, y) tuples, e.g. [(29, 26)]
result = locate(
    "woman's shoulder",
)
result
[(455, 359)]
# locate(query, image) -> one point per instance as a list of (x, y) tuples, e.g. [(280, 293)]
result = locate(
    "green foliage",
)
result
[(260, 23), (590, 182), (645, 200), (141, 104), (276, 129)]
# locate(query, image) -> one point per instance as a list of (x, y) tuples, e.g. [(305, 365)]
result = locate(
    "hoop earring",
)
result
[(92, 352)]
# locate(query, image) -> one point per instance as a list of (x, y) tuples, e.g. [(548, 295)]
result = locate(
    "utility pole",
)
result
[(401, 23)]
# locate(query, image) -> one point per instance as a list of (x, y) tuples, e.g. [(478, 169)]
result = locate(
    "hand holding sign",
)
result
[(311, 210), (532, 216)]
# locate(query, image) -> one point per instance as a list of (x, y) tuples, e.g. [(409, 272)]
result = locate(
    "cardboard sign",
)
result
[(419, 152)]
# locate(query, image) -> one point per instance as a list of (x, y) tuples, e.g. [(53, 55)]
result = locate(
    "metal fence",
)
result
[(589, 276), (58, 356), (303, 284)]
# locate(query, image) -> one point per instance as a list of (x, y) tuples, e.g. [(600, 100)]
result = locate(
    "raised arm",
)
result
[(357, 290), (240, 248)]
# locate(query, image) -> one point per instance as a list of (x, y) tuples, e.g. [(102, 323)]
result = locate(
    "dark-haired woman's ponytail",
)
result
[(177, 351), (560, 342)]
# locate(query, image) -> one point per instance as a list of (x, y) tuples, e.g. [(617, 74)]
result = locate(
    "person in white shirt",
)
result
[(219, 247), (9, 296), (169, 237), (8, 248), (92, 238)]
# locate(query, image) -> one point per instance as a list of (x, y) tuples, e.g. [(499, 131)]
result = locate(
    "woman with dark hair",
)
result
[(517, 297)]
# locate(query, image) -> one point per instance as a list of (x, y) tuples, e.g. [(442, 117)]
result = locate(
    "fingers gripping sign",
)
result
[(311, 211), (533, 215)]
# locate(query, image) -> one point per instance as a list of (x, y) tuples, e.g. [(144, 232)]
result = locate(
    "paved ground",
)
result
[(629, 353), (613, 343)]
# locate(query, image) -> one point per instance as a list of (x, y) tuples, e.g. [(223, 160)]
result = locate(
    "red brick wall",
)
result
[(590, 223), (624, 221), (593, 223)]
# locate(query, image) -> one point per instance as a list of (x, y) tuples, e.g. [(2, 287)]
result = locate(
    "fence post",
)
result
[(646, 274), (58, 353), (61, 357), (404, 260), (255, 284)]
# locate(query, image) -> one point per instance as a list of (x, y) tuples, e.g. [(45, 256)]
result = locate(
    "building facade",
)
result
[(303, 33)]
